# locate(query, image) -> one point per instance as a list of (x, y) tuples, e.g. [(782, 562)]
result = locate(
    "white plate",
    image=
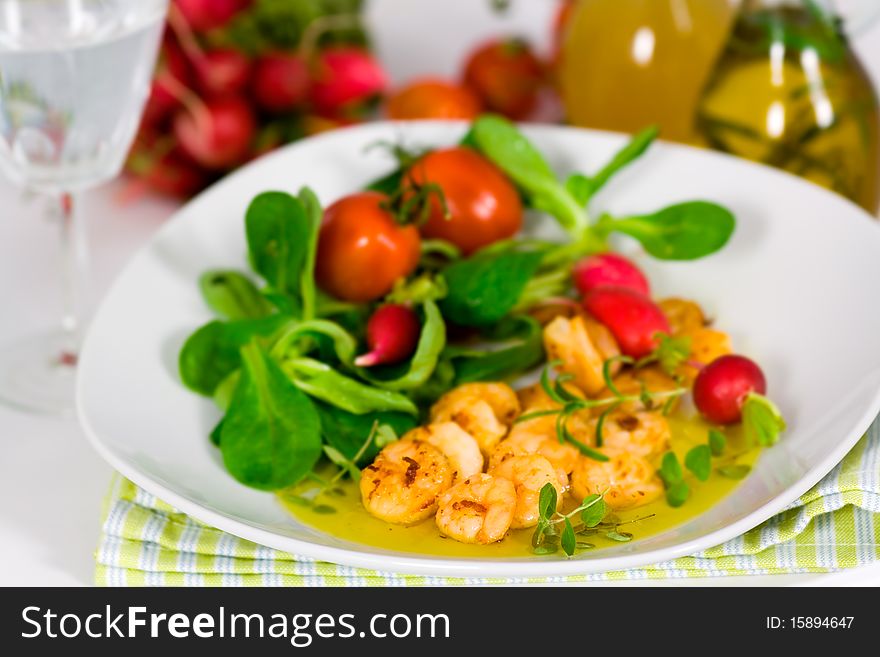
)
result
[(796, 288)]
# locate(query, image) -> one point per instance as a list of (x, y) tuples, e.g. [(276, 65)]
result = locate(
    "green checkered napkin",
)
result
[(835, 525)]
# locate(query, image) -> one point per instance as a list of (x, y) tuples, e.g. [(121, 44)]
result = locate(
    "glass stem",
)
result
[(72, 271)]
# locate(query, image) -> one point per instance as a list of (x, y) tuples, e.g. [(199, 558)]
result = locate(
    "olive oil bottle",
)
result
[(627, 64), (789, 92)]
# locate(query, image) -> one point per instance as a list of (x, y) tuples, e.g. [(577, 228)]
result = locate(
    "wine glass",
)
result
[(74, 77)]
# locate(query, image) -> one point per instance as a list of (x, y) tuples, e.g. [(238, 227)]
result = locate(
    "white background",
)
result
[(51, 483)]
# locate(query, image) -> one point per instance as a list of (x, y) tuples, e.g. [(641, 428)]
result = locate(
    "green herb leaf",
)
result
[(340, 460), (325, 383), (686, 231), (548, 386), (594, 511), (677, 494), (233, 295), (670, 470), (717, 442), (699, 461), (735, 471), (671, 352), (620, 537), (762, 420), (485, 287), (568, 540), (600, 423), (212, 353), (546, 548), (566, 436), (547, 502), (271, 435)]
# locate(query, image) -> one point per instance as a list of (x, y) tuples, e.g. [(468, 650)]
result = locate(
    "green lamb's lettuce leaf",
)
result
[(502, 142), (486, 286), (346, 431), (282, 234), (271, 435), (233, 295), (762, 420), (523, 350), (326, 383), (212, 353), (685, 231)]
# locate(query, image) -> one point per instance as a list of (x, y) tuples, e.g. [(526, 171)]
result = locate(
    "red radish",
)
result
[(222, 72), (609, 269), (204, 15), (722, 387), (346, 76), (171, 174), (173, 77), (281, 82), (392, 336), (217, 134), (176, 176), (633, 318)]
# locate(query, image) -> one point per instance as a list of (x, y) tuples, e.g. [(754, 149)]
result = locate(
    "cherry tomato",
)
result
[(362, 250), (482, 205), (507, 76), (721, 388), (431, 98)]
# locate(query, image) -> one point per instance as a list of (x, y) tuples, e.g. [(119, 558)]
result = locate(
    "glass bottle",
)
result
[(627, 64), (789, 92)]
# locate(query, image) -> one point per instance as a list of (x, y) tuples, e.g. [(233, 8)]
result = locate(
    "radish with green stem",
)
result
[(731, 389), (392, 336)]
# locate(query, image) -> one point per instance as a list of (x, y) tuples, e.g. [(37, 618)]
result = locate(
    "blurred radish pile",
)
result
[(238, 78)]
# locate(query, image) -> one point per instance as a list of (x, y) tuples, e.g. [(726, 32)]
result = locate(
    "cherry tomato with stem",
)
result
[(363, 249), (478, 206)]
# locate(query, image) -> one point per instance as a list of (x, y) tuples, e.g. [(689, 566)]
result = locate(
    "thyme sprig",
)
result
[(567, 531), (380, 435), (570, 404)]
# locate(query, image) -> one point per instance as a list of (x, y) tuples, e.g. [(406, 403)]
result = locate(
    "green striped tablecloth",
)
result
[(835, 525)]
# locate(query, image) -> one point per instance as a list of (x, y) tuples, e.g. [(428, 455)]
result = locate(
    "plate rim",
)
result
[(438, 565)]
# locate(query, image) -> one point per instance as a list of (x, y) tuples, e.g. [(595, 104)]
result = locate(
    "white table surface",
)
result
[(51, 482)]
